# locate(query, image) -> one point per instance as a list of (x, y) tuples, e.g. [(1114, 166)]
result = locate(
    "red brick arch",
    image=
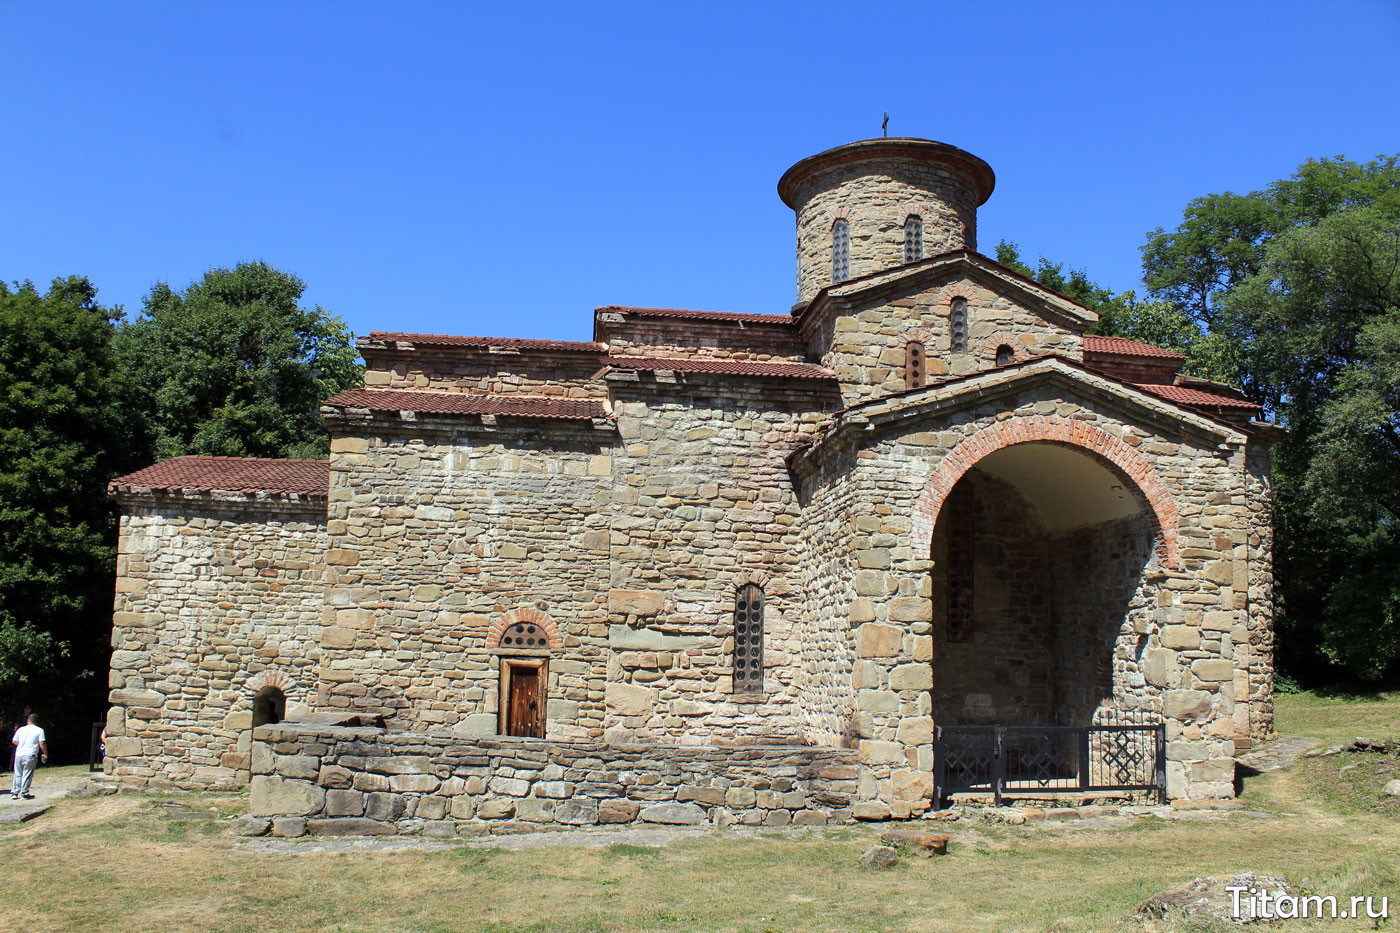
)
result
[(524, 614), (270, 677), (1107, 449), (1004, 339)]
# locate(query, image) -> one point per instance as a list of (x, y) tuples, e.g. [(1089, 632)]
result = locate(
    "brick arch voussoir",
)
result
[(1004, 338), (1109, 450), (524, 614), (270, 677)]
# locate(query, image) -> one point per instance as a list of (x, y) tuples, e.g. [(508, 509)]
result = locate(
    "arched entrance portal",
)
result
[(1040, 589)]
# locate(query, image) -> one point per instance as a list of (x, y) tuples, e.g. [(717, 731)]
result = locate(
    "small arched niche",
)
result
[(269, 707)]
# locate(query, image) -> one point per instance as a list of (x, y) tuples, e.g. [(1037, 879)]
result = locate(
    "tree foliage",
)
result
[(235, 366), (65, 429)]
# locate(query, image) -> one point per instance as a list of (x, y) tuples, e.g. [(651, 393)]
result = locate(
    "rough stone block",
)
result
[(391, 807), (345, 803), (1187, 704), (911, 609), (1181, 636), (275, 796), (1213, 670), (349, 826), (673, 814), (496, 809), (874, 640), (617, 811), (881, 753), (634, 602), (912, 677), (629, 699)]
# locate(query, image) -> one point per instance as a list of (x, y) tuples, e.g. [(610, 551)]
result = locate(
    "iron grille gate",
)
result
[(1048, 759)]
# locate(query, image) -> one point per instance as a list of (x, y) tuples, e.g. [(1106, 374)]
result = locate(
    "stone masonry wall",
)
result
[(1003, 674), (440, 531), (686, 337), (355, 781), (1103, 596), (1190, 624), (215, 599), (867, 345), (500, 371), (875, 197), (825, 677), (702, 505), (1254, 672)]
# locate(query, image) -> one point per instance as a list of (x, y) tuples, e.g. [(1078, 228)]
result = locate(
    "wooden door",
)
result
[(524, 705)]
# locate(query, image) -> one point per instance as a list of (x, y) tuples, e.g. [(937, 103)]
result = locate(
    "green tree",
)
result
[(1122, 314), (65, 428), (1323, 311), (236, 366)]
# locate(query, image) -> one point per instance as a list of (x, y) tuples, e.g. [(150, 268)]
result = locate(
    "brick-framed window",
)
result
[(748, 639), (957, 325), (1006, 355), (915, 365), (913, 238), (840, 251)]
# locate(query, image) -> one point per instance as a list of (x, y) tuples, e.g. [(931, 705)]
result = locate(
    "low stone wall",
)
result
[(337, 780)]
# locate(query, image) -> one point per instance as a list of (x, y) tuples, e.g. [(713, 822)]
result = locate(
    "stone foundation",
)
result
[(338, 780)]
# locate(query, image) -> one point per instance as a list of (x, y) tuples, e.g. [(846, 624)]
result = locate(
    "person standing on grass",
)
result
[(31, 747), (20, 723)]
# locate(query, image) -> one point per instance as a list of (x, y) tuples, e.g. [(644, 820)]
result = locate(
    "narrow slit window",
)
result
[(748, 640), (840, 251), (913, 238), (915, 366), (957, 326)]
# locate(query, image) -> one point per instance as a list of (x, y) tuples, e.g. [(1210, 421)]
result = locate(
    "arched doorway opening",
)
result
[(1041, 591), (269, 706)]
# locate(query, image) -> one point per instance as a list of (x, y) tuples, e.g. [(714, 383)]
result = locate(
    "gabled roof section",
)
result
[(1122, 346), (292, 479), (393, 340), (1033, 293), (460, 403), (978, 388), (718, 366)]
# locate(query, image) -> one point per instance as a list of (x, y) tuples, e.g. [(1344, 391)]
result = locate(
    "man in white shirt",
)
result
[(31, 746)]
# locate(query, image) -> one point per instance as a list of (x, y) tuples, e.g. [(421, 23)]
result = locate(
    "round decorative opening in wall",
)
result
[(525, 635)]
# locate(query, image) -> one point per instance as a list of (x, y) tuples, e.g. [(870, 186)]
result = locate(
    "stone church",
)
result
[(715, 567)]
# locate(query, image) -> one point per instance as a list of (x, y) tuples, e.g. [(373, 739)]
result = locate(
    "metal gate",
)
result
[(1039, 760)]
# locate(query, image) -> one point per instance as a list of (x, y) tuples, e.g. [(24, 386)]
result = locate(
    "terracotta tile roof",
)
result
[(307, 478), (1184, 396), (1122, 346), (448, 340), (784, 320), (721, 366), (458, 403)]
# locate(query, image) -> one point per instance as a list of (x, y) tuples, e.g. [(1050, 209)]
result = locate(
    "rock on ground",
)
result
[(879, 857), (1208, 898), (1392, 788), (22, 814)]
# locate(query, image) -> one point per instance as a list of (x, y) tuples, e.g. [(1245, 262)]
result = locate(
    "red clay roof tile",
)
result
[(1184, 396), (1122, 346), (458, 403), (783, 320), (721, 366), (307, 478), (513, 343)]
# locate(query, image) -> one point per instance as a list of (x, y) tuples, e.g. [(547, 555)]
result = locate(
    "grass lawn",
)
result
[(117, 863)]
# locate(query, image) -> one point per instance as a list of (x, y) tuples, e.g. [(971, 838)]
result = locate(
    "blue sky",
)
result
[(502, 169)]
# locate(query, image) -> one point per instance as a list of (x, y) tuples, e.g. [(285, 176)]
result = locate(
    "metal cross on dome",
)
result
[(885, 126)]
